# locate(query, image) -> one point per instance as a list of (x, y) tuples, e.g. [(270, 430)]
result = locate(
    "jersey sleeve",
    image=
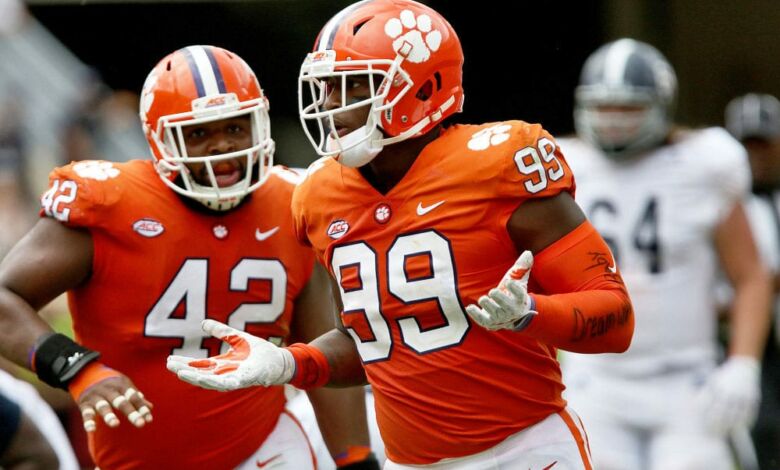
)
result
[(535, 166), (80, 192), (729, 170)]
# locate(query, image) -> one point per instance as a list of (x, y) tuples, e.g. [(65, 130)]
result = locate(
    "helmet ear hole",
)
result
[(425, 91), (359, 25)]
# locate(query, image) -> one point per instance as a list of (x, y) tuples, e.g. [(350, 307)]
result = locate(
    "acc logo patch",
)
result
[(337, 229), (148, 227)]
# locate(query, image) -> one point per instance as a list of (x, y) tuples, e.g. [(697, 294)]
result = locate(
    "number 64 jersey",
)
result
[(408, 261), (658, 213), (160, 267)]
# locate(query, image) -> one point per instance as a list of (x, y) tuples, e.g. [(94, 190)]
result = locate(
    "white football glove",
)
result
[(249, 361), (507, 306), (730, 397)]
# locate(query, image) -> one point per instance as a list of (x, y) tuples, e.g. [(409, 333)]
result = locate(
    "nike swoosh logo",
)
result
[(612, 269), (264, 235), (424, 210), (550, 466), (264, 463)]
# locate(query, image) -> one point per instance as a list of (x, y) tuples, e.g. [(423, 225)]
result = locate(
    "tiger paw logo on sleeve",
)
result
[(485, 138), (96, 170)]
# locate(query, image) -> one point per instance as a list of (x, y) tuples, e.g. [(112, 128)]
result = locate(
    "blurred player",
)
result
[(670, 204), (42, 417), (416, 221), (149, 249), (300, 407), (22, 443), (754, 119)]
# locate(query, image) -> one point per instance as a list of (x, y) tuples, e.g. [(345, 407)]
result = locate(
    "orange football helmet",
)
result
[(414, 64), (196, 85)]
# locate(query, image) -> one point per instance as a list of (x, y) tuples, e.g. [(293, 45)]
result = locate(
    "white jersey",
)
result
[(31, 403), (300, 407), (658, 212)]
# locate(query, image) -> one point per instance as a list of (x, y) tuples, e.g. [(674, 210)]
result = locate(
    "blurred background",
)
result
[(71, 71)]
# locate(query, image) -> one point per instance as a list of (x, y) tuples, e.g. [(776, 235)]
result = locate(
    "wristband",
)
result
[(311, 366), (91, 374), (57, 359), (356, 458), (522, 323)]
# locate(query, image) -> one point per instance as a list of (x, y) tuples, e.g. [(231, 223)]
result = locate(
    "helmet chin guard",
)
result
[(357, 148)]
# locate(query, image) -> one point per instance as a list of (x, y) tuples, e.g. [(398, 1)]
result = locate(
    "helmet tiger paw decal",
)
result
[(494, 135), (415, 28), (147, 93), (95, 170)]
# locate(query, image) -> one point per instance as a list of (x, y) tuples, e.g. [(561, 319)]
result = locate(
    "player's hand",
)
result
[(508, 306), (249, 361), (101, 392), (730, 397)]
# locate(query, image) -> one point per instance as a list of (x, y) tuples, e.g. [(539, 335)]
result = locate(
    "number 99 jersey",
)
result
[(658, 212), (408, 261), (161, 265)]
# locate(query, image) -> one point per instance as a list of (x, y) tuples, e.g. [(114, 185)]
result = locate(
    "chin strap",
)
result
[(361, 147), (417, 128)]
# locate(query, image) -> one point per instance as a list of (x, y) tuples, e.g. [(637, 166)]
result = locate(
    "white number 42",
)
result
[(60, 193)]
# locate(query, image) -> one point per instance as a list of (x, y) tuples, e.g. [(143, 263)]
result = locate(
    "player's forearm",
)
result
[(751, 314), (594, 321), (584, 306), (346, 369), (341, 430), (332, 359), (20, 327)]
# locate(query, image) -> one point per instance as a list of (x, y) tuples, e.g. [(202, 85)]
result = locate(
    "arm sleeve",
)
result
[(583, 306)]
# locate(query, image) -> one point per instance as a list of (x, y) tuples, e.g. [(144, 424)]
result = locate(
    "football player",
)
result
[(459, 255), (150, 248), (669, 201), (300, 407), (22, 443), (754, 119), (43, 417)]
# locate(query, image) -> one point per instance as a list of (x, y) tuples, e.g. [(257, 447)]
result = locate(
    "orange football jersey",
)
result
[(409, 261), (162, 265)]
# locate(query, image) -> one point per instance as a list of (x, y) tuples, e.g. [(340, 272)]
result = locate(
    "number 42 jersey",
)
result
[(160, 267), (408, 261)]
